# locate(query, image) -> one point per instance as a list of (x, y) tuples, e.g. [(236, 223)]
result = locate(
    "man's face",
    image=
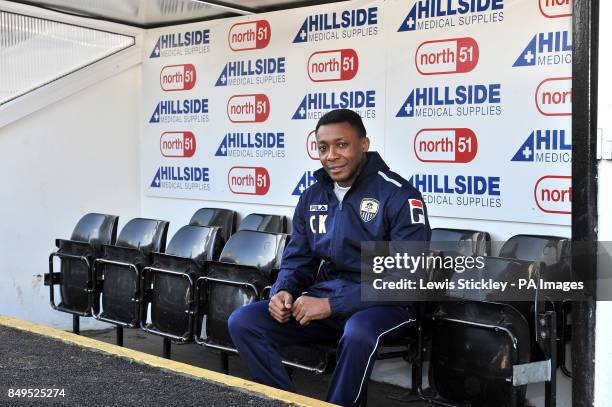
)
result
[(341, 151)]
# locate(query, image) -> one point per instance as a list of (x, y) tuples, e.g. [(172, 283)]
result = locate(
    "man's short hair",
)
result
[(343, 116)]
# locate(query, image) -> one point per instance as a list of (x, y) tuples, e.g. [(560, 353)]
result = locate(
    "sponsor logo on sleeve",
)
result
[(417, 211)]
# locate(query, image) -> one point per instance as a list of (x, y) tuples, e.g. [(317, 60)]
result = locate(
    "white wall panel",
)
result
[(76, 156)]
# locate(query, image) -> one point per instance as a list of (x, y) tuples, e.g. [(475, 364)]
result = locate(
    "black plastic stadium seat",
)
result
[(223, 218), (549, 249), (463, 241), (77, 255), (119, 270), (249, 261), (170, 281), (264, 223), (482, 339), (554, 252)]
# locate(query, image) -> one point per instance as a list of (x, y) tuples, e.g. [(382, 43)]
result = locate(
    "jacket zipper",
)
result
[(337, 236)]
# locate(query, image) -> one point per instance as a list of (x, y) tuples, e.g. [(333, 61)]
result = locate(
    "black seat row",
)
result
[(483, 349), (482, 329), (110, 277), (192, 288)]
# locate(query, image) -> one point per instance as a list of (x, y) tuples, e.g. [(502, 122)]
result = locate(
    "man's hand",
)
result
[(308, 309), (280, 306)]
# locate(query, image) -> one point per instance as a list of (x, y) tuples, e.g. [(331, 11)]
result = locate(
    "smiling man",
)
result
[(317, 296)]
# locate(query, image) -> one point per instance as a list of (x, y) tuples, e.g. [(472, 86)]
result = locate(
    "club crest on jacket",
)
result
[(368, 209)]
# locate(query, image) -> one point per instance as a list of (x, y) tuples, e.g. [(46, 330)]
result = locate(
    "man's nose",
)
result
[(332, 154)]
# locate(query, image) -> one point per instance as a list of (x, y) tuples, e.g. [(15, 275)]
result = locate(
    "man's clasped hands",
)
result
[(305, 309)]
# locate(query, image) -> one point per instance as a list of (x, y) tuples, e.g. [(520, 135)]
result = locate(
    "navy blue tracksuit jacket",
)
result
[(380, 206)]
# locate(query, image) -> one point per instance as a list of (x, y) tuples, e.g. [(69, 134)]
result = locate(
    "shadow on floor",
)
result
[(306, 384)]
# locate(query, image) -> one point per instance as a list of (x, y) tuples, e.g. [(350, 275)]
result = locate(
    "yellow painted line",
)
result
[(167, 364)]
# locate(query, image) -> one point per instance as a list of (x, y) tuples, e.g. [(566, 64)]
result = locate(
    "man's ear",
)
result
[(365, 144)]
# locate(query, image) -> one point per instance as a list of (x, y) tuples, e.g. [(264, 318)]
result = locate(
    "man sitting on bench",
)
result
[(357, 198)]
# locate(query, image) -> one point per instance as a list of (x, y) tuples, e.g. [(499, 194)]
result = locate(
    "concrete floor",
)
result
[(37, 370), (307, 384)]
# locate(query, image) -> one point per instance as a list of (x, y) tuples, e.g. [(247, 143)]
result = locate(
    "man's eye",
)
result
[(342, 145), (322, 148)]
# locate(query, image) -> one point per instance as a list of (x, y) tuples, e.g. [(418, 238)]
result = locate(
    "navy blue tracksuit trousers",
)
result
[(257, 337)]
